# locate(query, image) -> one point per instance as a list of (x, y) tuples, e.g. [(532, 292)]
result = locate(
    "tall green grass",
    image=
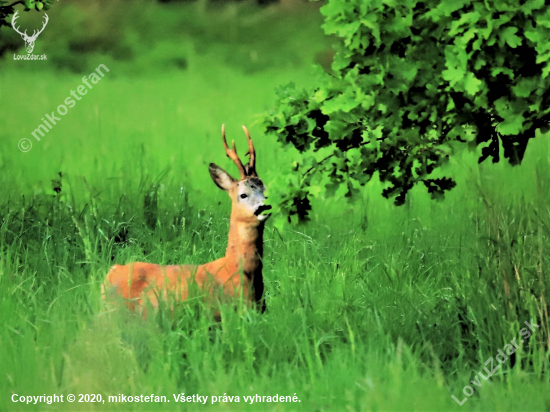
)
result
[(370, 307)]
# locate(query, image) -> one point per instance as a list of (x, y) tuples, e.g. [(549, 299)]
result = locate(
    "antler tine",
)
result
[(252, 153), (46, 18), (15, 16), (232, 154)]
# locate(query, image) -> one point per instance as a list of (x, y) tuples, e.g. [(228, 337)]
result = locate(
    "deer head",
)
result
[(29, 40), (246, 193)]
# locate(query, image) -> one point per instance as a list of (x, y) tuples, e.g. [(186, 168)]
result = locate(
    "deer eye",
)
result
[(244, 196)]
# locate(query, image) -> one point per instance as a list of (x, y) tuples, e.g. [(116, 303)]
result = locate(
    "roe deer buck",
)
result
[(239, 272)]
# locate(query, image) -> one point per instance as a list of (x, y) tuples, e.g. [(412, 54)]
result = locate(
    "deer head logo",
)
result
[(29, 40)]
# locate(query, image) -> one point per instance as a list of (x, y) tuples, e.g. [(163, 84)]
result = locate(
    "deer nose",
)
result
[(261, 209)]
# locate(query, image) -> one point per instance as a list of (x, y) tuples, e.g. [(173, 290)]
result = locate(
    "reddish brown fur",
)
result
[(239, 271)]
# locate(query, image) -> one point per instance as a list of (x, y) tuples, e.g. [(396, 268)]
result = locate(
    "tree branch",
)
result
[(10, 6)]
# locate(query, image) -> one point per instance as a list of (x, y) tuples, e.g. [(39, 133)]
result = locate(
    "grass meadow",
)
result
[(369, 307)]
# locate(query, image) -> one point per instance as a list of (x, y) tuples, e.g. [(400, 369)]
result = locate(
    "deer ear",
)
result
[(222, 179)]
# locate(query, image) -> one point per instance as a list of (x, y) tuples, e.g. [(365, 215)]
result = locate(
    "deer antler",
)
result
[(232, 154), (25, 35), (251, 166), (15, 28), (35, 34)]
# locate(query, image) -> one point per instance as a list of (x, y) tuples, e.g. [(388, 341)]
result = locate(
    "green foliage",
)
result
[(7, 8), (369, 308), (409, 79)]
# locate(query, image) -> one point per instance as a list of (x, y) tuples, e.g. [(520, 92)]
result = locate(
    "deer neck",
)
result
[(245, 245)]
